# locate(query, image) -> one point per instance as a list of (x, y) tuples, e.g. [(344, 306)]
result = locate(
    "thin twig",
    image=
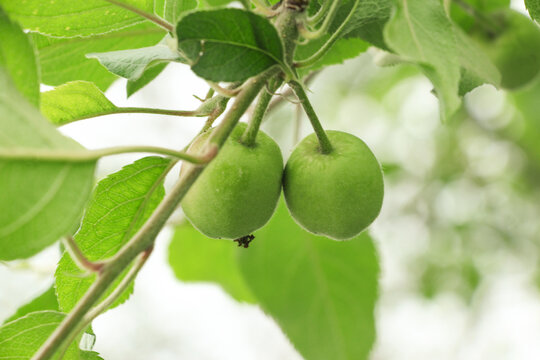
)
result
[(224, 91), (78, 256)]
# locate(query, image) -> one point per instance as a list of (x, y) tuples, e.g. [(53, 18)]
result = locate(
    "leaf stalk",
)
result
[(319, 15), (151, 17), (326, 23), (81, 156)]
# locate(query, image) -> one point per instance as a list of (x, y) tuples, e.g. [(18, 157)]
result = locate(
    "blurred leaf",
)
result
[(419, 31), (238, 44), (515, 49), (18, 58), (195, 257), (64, 59), (149, 74), (74, 101), (526, 132), (465, 20), (40, 201), (132, 63), (45, 301), (68, 18), (321, 292), (120, 205), (534, 8), (461, 278), (379, 86)]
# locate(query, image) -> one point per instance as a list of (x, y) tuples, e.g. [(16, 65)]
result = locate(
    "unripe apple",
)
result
[(238, 191), (336, 194)]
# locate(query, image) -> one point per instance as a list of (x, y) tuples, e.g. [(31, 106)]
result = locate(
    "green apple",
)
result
[(238, 191), (337, 194)]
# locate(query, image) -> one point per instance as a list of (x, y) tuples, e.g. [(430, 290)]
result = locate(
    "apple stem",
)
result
[(250, 134), (324, 141)]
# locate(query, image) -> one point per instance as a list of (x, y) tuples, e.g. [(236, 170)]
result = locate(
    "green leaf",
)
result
[(229, 44), (120, 205), (64, 59), (342, 50), (90, 355), (40, 201), (420, 32), (132, 63), (172, 10), (366, 23), (74, 101), (149, 74), (21, 338), (533, 6), (68, 18), (18, 58), (195, 257), (46, 301), (321, 292)]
